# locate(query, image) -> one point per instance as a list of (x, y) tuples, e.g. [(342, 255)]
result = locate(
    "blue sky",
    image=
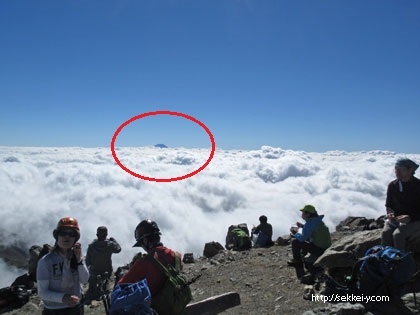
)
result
[(300, 75)]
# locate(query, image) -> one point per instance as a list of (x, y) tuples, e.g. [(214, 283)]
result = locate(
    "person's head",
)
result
[(308, 211), (405, 169), (263, 219), (102, 233), (67, 233), (147, 234)]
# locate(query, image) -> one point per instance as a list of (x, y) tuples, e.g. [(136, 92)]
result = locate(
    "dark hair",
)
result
[(263, 219)]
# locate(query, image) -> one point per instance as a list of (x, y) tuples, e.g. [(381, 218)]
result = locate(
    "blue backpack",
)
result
[(131, 299), (383, 268), (382, 271)]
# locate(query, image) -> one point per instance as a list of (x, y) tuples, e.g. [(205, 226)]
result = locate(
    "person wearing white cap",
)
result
[(402, 206)]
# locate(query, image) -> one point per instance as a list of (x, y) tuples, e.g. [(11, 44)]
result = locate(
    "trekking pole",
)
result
[(105, 301)]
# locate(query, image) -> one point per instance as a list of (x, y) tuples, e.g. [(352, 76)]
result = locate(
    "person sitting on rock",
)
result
[(315, 237), (264, 232), (402, 206)]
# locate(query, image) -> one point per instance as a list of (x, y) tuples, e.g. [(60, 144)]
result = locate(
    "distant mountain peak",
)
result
[(160, 145)]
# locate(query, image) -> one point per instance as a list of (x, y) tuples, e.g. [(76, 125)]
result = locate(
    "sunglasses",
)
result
[(67, 233)]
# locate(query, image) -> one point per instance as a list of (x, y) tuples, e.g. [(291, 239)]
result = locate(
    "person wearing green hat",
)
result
[(402, 205), (314, 238)]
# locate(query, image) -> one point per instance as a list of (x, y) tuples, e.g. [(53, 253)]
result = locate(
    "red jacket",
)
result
[(146, 268)]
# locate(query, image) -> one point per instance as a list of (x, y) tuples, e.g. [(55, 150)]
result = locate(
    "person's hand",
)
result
[(403, 219), (293, 230), (77, 250), (70, 300), (390, 216)]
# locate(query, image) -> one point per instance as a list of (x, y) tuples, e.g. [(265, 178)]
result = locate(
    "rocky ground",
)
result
[(261, 276)]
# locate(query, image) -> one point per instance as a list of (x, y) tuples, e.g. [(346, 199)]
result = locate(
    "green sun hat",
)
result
[(309, 209)]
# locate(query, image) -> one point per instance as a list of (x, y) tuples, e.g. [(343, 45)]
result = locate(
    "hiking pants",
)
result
[(397, 236), (300, 249)]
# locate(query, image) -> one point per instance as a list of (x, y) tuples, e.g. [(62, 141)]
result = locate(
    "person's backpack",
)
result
[(130, 299), (13, 297), (383, 268), (176, 293), (238, 237), (381, 271), (242, 241)]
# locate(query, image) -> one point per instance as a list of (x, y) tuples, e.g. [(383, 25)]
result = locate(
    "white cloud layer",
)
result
[(38, 186)]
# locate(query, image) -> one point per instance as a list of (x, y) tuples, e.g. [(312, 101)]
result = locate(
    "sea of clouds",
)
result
[(38, 186)]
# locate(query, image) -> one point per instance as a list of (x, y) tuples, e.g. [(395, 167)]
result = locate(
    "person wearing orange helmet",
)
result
[(61, 272)]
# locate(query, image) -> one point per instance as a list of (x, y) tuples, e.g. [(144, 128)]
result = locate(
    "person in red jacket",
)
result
[(147, 236)]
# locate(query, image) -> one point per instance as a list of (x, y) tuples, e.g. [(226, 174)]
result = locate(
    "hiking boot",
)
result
[(295, 263)]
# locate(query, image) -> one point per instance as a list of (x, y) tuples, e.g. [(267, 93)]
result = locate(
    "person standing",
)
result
[(99, 262), (61, 272), (402, 206)]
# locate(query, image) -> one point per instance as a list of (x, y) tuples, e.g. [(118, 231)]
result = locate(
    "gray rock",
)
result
[(345, 251)]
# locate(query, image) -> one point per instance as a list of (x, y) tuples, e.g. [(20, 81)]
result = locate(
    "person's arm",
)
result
[(389, 203), (257, 229), (116, 248), (307, 230), (83, 273)]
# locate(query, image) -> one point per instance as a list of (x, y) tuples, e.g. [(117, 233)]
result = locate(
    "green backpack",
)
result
[(176, 293), (242, 240)]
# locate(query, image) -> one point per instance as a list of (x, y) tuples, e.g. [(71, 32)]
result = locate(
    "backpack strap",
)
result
[(162, 266)]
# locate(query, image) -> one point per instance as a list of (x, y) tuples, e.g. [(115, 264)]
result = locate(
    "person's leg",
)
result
[(401, 234), (296, 250), (313, 249), (386, 236)]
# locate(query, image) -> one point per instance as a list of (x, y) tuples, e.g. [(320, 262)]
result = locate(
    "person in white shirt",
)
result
[(61, 272)]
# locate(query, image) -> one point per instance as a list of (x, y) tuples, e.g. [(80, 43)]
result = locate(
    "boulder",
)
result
[(212, 249), (345, 251), (355, 224), (413, 243)]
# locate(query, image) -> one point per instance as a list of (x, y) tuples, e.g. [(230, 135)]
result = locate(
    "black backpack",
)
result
[(381, 272), (13, 297)]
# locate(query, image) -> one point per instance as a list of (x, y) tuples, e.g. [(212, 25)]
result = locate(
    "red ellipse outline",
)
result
[(163, 112)]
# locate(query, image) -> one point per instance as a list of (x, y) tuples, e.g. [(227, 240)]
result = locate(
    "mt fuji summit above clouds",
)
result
[(39, 185)]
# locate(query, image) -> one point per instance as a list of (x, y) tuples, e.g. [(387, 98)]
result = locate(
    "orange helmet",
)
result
[(67, 223)]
